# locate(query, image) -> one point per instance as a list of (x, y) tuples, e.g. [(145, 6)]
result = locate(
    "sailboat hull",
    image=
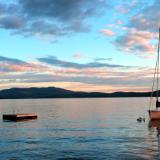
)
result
[(154, 114)]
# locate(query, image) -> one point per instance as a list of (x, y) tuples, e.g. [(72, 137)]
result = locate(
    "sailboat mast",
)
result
[(158, 66)]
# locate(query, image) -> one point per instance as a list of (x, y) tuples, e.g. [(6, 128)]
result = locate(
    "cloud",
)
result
[(11, 60), (136, 42), (16, 65), (141, 29), (147, 18), (54, 66), (2, 8), (49, 17), (103, 59), (49, 65), (122, 9), (126, 6), (136, 31), (66, 64), (77, 56), (126, 83), (119, 22), (15, 72), (107, 32), (11, 22)]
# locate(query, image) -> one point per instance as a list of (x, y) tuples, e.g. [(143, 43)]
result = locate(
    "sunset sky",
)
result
[(82, 45)]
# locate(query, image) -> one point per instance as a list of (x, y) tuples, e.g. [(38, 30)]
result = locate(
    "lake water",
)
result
[(80, 129)]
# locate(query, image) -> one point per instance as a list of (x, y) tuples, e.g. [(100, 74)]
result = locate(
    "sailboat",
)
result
[(154, 114)]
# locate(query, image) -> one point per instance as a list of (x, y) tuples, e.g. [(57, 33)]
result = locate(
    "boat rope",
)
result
[(158, 67), (156, 76)]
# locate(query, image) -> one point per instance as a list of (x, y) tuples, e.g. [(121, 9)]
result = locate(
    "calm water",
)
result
[(81, 129)]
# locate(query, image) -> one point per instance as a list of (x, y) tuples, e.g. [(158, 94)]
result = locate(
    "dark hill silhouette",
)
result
[(53, 92)]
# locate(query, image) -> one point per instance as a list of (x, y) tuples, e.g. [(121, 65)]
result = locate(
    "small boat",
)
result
[(19, 117), (154, 114)]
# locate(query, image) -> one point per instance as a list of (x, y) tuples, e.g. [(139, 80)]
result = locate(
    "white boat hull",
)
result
[(154, 114)]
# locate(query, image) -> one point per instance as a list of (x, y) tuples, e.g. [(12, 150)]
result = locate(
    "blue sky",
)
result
[(98, 45)]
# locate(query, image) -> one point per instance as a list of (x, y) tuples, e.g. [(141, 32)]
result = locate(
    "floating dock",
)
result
[(19, 117)]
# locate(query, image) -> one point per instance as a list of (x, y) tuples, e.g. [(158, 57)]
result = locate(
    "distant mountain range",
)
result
[(53, 92)]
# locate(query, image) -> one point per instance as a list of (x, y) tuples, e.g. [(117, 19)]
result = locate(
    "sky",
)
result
[(80, 45)]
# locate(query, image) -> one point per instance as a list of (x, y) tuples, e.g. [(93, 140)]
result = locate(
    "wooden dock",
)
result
[(19, 117)]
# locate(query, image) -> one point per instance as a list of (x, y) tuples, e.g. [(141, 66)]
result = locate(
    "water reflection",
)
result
[(79, 129), (154, 128), (155, 124)]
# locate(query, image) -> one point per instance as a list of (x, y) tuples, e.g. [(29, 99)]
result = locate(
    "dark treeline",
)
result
[(53, 92)]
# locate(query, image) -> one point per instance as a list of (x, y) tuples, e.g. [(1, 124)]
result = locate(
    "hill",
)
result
[(53, 92)]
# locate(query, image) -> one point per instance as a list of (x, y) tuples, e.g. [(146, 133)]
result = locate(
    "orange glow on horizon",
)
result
[(77, 86)]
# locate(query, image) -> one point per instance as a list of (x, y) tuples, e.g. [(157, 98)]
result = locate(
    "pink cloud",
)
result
[(27, 67), (107, 32), (34, 74), (136, 41), (141, 30)]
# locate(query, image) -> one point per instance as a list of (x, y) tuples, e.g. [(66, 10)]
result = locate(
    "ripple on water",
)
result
[(79, 129)]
